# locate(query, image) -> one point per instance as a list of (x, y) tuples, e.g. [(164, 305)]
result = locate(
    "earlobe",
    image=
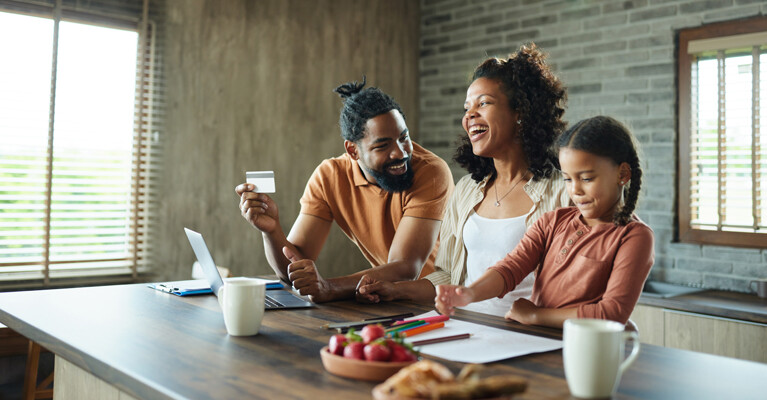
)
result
[(351, 149), (624, 175)]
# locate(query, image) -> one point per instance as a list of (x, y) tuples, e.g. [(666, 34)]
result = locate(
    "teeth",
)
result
[(477, 129)]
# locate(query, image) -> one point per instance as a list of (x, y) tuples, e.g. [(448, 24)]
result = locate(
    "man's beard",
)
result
[(393, 183)]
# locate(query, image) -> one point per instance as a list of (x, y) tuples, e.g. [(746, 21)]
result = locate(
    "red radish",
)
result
[(372, 332), (354, 350), (401, 353), (337, 343), (377, 352)]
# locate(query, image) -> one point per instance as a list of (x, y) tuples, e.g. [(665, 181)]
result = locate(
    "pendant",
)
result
[(497, 204)]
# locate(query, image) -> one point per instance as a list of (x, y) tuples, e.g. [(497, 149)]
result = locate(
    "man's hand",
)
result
[(523, 311), (451, 296), (258, 209), (370, 290), (305, 278)]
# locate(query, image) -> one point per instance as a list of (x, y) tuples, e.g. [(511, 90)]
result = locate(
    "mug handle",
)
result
[(220, 296), (632, 336)]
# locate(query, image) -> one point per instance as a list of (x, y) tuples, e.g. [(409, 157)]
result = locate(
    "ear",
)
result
[(351, 149), (624, 173)]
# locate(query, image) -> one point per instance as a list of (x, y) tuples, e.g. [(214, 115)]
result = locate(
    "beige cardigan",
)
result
[(547, 194)]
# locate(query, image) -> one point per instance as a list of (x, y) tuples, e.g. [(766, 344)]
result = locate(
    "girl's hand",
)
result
[(451, 296), (523, 311)]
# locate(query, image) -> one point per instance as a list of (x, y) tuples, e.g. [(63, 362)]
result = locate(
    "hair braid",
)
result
[(623, 216)]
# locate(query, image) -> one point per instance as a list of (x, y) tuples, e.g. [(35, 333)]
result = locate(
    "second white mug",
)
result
[(593, 351), (242, 301)]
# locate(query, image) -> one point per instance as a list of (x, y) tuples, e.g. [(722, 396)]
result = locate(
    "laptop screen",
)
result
[(205, 259)]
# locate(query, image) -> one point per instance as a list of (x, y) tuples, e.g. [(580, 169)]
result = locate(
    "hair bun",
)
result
[(350, 88)]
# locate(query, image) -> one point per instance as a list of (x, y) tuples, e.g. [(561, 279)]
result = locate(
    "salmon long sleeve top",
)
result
[(598, 269)]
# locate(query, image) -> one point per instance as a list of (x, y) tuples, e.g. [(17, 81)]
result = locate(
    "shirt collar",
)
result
[(359, 177)]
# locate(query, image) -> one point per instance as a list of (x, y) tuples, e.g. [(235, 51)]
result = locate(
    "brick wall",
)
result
[(617, 58)]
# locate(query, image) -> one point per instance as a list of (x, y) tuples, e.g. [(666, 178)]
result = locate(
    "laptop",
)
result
[(274, 299)]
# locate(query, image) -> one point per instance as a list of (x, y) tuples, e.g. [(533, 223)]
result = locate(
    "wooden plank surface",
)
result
[(152, 345)]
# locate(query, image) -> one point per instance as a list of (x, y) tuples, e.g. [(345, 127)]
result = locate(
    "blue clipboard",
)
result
[(192, 288)]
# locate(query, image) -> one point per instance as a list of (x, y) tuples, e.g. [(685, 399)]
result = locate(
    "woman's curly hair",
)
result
[(537, 96)]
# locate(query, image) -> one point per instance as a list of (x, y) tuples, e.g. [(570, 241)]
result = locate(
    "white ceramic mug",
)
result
[(593, 356), (242, 301)]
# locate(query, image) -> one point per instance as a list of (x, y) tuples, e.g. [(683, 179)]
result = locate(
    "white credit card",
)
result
[(264, 181)]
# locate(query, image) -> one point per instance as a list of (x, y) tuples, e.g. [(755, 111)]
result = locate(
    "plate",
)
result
[(377, 371)]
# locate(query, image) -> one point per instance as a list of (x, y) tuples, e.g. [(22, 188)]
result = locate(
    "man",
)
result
[(386, 193)]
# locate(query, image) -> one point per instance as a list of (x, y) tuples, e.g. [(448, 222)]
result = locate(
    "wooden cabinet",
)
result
[(649, 320), (703, 333)]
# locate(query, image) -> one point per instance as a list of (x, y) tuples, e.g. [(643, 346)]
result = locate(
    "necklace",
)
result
[(497, 200)]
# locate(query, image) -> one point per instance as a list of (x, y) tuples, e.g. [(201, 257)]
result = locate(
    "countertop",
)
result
[(716, 303), (152, 345)]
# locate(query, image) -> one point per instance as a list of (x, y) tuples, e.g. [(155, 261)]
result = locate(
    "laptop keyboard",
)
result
[(272, 303)]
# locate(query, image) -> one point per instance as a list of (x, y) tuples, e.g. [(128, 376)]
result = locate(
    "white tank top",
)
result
[(487, 241)]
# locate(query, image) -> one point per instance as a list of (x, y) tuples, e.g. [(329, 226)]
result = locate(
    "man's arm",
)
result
[(413, 243), (306, 238)]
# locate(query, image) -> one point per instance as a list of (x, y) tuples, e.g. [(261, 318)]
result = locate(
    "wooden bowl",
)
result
[(377, 371)]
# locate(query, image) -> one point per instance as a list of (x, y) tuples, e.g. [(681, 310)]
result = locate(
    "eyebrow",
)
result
[(381, 140), (589, 171)]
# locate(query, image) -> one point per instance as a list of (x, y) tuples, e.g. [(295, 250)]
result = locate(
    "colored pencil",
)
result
[(441, 339), (437, 318), (395, 316), (422, 329), (405, 326), (385, 320)]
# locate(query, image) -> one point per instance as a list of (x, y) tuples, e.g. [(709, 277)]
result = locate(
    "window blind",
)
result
[(728, 173), (80, 131)]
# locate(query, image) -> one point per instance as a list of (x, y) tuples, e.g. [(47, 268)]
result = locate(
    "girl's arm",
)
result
[(526, 312), (489, 285)]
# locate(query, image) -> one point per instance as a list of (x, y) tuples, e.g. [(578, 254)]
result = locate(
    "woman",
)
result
[(513, 113)]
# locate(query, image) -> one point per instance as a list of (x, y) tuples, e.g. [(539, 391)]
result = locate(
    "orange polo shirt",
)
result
[(598, 269), (368, 215)]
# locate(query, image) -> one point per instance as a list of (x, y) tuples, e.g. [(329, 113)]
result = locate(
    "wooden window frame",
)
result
[(688, 234)]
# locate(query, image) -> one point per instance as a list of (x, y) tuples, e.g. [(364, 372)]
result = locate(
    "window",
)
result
[(722, 151), (75, 149)]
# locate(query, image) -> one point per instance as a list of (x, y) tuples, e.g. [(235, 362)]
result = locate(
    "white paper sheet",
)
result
[(486, 344)]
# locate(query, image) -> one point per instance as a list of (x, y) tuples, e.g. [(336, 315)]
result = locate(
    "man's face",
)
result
[(384, 152)]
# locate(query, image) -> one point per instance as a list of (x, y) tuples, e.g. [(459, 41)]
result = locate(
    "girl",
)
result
[(591, 259)]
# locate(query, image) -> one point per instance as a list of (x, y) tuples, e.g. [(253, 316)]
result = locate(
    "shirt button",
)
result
[(570, 241), (564, 251), (579, 233)]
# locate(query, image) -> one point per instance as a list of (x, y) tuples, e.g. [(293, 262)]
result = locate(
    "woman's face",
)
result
[(488, 120)]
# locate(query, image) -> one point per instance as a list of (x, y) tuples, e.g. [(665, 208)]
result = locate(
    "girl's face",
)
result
[(488, 120), (593, 183)]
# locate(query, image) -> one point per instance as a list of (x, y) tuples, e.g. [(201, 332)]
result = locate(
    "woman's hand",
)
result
[(451, 296)]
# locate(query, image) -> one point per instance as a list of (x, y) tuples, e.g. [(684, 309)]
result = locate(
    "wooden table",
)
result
[(130, 341)]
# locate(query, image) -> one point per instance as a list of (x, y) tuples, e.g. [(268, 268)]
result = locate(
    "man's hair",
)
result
[(537, 95), (606, 137), (360, 105)]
